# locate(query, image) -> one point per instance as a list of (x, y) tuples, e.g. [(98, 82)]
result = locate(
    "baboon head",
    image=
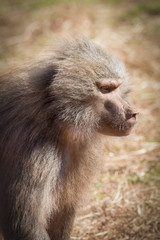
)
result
[(90, 87)]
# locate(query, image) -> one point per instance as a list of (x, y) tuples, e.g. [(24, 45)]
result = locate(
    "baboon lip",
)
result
[(122, 130), (131, 122), (125, 127)]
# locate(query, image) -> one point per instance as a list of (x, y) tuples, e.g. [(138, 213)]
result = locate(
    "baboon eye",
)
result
[(108, 86), (105, 89)]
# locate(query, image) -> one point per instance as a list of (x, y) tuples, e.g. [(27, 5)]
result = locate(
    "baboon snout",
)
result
[(131, 113), (119, 106)]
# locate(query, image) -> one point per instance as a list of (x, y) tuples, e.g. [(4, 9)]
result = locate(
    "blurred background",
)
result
[(125, 198)]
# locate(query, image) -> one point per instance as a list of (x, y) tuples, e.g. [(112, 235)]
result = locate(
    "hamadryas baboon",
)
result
[(52, 117)]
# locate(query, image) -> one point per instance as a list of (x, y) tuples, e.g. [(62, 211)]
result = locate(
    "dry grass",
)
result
[(124, 202)]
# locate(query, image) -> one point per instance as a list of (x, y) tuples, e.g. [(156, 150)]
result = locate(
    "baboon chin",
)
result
[(52, 116)]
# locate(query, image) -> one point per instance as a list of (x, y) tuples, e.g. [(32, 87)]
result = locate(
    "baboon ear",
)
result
[(43, 75), (48, 74)]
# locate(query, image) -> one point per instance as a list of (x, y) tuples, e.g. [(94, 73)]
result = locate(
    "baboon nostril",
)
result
[(135, 114), (131, 114)]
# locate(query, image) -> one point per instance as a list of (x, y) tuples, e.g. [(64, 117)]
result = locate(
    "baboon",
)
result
[(53, 115)]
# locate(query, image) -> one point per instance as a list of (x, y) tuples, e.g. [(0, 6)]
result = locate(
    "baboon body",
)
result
[(52, 116)]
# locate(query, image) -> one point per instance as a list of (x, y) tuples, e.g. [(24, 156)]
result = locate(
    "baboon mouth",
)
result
[(126, 127), (122, 128)]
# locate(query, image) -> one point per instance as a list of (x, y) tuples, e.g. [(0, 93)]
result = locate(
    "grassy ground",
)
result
[(124, 201)]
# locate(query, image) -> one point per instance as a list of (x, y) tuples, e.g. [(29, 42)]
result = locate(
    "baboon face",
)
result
[(92, 86), (117, 116)]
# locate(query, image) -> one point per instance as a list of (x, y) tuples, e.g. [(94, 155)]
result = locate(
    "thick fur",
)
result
[(48, 139)]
